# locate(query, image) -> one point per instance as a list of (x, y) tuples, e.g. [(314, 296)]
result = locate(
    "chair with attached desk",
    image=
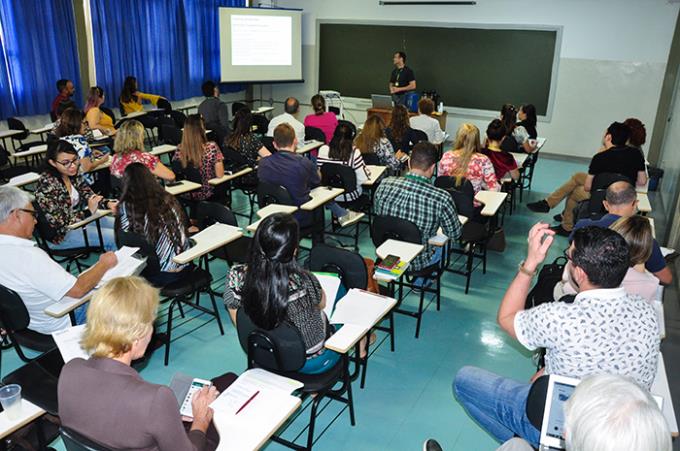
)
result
[(209, 213), (593, 208), (38, 379), (18, 140), (474, 235), (164, 104), (384, 228), (234, 161), (168, 132), (178, 293), (15, 320), (526, 173), (260, 124), (282, 351), (314, 133), (76, 442), (11, 170), (269, 193), (179, 118), (342, 176)]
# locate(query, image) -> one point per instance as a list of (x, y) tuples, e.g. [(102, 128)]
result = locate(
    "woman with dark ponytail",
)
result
[(272, 289)]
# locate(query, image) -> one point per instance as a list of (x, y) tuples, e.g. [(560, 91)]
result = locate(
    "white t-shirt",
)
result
[(603, 331), (430, 126), (36, 278), (289, 119)]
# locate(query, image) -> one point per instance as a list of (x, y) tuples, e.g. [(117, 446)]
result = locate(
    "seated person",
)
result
[(324, 120), (414, 198), (214, 111), (468, 161), (608, 413), (65, 198), (63, 100), (195, 151), (504, 163), (372, 140), (31, 273), (72, 129), (399, 133), (517, 137), (605, 330), (105, 400), (290, 110), (621, 202), (244, 141), (614, 157), (638, 134), (147, 209), (340, 151), (131, 102), (423, 121), (273, 289), (128, 148), (95, 117), (527, 119), (637, 231)]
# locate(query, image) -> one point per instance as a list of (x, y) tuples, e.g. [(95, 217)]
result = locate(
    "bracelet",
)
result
[(525, 271)]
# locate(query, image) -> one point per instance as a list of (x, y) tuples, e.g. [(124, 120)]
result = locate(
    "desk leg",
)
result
[(72, 317)]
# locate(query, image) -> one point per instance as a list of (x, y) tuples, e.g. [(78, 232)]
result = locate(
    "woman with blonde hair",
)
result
[(104, 399), (129, 148), (466, 160), (372, 140), (196, 153)]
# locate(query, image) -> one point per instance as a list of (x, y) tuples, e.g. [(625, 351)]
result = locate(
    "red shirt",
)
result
[(503, 162), (57, 100)]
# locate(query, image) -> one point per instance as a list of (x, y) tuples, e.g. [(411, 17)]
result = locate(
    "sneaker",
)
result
[(431, 445), (539, 207), (350, 218), (558, 218), (559, 230)]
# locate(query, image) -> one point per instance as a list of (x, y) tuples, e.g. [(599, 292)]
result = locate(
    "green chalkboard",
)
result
[(476, 68)]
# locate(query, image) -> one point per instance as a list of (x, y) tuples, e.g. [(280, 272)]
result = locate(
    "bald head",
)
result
[(292, 105), (621, 199)]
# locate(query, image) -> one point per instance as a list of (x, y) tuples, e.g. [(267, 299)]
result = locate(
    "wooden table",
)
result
[(309, 146), (320, 196), (228, 177), (375, 173), (386, 115), (184, 187), (492, 200), (207, 240)]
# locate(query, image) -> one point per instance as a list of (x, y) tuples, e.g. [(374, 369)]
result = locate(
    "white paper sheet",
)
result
[(68, 342), (360, 308), (330, 284), (126, 266)]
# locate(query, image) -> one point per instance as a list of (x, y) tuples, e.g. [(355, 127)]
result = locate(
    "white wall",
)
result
[(612, 64)]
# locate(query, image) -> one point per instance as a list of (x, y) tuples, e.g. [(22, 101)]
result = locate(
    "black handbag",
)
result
[(549, 275)]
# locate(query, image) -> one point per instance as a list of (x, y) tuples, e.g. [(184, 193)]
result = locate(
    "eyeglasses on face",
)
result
[(69, 163), (29, 211)]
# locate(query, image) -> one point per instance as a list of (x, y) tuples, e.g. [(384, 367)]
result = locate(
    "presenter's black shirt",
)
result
[(402, 77)]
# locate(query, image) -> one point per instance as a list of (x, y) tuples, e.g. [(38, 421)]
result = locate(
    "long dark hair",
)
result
[(272, 263), (530, 111), (54, 149), (509, 117), (129, 89), (149, 208), (243, 119), (399, 124), (341, 148)]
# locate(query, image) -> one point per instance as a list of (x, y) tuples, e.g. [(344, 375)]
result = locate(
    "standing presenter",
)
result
[(402, 80)]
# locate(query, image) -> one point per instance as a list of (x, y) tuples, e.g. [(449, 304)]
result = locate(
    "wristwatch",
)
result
[(525, 271)]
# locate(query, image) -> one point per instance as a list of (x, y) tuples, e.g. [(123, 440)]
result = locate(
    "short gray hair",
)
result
[(12, 198), (609, 413)]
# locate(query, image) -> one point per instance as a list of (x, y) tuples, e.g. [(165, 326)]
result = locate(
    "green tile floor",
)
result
[(408, 395)]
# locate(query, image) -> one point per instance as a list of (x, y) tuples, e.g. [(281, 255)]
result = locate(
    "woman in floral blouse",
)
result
[(372, 139), (129, 148), (65, 198), (198, 154), (467, 161), (244, 141)]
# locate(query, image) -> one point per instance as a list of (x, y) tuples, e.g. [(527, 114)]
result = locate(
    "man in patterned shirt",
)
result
[(605, 330), (415, 199)]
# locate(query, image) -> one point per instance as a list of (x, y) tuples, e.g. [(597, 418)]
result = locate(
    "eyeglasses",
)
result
[(69, 163), (30, 212)]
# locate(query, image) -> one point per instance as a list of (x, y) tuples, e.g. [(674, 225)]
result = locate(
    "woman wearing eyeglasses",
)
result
[(64, 198)]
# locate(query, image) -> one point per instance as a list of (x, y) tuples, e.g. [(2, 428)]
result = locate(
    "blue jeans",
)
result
[(436, 258), (75, 238), (496, 403), (336, 209)]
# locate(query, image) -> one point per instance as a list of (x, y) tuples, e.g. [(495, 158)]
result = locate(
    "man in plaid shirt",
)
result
[(414, 198)]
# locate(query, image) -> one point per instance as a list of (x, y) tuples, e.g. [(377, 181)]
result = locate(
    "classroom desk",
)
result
[(660, 388), (643, 189), (540, 142), (187, 108), (207, 240), (24, 179), (98, 215), (42, 130), (66, 306), (309, 146), (320, 196), (162, 149), (29, 413), (520, 158), (31, 152), (263, 110), (644, 206), (386, 115), (4, 134), (270, 210), (492, 200), (405, 251), (184, 187), (376, 172), (440, 239), (228, 177)]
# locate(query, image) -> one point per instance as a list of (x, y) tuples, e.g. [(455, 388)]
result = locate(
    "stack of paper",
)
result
[(68, 341), (127, 265), (330, 283)]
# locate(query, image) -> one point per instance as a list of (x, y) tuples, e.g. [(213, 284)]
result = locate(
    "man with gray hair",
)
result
[(30, 272), (607, 413), (290, 108), (621, 202)]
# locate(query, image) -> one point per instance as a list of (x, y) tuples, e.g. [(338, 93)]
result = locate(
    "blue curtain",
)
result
[(37, 47), (170, 46)]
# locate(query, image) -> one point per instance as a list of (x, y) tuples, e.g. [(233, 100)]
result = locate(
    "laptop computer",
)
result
[(381, 101)]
